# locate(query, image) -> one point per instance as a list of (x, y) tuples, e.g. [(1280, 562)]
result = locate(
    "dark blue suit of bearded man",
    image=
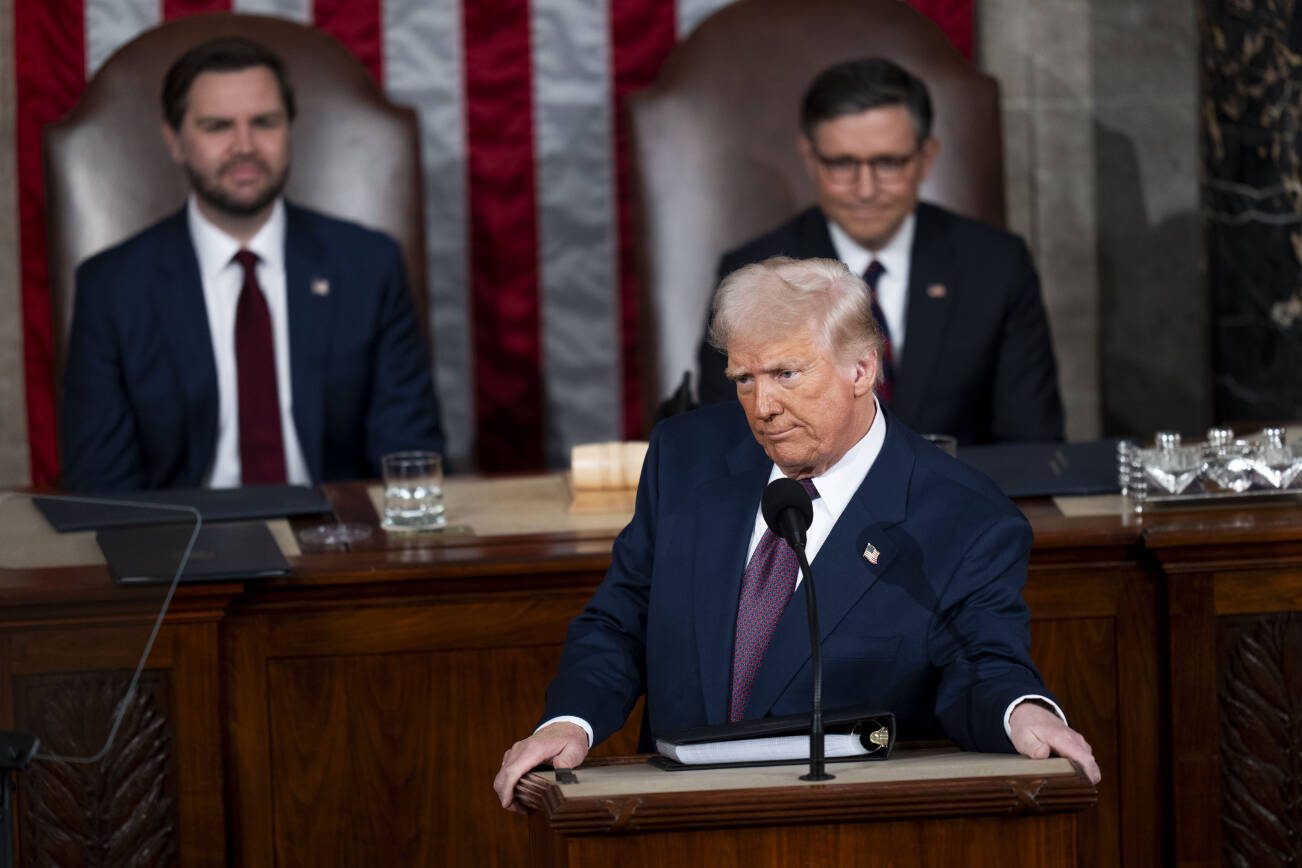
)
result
[(936, 630), (140, 392)]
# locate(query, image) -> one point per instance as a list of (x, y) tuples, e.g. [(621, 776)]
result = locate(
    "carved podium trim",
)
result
[(1061, 787)]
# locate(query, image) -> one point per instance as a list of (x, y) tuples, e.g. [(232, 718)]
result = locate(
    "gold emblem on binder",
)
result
[(880, 737)]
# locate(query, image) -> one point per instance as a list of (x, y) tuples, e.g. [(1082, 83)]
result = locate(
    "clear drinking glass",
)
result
[(413, 491)]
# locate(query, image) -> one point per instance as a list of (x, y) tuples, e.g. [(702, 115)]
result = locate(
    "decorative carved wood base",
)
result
[(119, 811), (1261, 739)]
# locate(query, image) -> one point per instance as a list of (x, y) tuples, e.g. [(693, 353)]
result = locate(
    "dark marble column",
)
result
[(1252, 203)]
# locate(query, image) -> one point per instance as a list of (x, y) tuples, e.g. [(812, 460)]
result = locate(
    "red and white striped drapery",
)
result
[(530, 266)]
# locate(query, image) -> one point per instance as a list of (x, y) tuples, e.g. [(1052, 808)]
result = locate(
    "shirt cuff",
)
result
[(578, 721), (1008, 712)]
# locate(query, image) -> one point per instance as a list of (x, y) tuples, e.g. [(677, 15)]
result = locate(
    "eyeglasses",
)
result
[(886, 169)]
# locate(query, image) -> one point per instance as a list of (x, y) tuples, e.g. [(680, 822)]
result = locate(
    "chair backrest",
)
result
[(714, 146), (108, 174)]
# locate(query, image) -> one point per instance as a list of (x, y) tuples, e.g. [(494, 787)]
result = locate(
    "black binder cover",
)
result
[(1044, 469), (214, 504), (837, 720), (223, 552)]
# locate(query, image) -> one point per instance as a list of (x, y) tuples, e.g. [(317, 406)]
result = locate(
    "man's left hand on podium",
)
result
[(1039, 733)]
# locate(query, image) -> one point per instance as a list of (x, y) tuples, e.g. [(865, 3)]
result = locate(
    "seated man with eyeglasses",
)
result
[(968, 349)]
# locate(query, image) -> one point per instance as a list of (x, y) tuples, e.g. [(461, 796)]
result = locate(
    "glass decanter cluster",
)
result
[(1221, 466)]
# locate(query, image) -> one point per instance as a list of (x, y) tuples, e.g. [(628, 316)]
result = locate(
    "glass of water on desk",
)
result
[(413, 491)]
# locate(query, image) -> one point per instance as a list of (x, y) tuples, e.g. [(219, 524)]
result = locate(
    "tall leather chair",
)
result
[(107, 173), (714, 146)]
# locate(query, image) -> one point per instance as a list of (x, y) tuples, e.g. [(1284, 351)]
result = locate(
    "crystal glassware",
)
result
[(1274, 461), (1229, 461), (1172, 468)]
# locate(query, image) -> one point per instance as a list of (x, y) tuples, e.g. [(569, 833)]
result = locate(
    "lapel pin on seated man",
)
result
[(243, 339), (926, 621)]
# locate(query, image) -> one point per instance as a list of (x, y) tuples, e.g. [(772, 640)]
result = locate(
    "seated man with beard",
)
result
[(242, 340)]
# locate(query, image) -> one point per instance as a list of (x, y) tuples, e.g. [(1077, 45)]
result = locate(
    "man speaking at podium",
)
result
[(242, 340), (919, 560)]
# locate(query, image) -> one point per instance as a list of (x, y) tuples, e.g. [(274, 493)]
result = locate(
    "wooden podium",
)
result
[(919, 808)]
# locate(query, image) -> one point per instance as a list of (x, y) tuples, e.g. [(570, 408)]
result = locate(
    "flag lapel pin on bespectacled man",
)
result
[(320, 286), (870, 554)]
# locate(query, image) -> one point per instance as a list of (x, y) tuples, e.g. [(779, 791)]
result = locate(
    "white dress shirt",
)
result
[(223, 280), (893, 284), (835, 489)]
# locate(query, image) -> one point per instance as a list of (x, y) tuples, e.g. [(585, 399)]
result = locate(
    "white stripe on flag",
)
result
[(693, 12), (578, 286), (295, 10), (423, 69), (110, 24)]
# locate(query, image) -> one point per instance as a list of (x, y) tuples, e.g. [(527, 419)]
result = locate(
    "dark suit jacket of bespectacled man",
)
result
[(920, 560), (151, 386), (972, 352)]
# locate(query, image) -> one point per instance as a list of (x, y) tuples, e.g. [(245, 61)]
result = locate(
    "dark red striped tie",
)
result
[(885, 391), (766, 586), (262, 446)]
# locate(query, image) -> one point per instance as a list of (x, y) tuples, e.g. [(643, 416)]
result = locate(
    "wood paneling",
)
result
[(363, 704), (951, 842)]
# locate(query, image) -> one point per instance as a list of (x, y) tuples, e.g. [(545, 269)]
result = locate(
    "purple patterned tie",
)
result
[(766, 586), (886, 390)]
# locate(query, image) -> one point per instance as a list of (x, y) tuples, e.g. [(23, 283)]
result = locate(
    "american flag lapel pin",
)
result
[(320, 286), (870, 554), (937, 290)]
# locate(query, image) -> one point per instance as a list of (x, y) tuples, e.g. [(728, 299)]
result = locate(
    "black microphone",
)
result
[(788, 512)]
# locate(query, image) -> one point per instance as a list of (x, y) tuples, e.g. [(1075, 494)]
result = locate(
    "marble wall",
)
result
[(13, 414), (1253, 190), (1101, 140)]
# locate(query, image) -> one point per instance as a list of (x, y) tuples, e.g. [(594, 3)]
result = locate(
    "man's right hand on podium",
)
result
[(562, 744)]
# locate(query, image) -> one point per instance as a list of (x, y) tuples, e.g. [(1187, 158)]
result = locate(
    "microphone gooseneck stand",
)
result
[(788, 511), (816, 770), (16, 752)]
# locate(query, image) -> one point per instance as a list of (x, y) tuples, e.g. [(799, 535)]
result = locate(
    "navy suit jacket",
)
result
[(936, 631), (140, 388), (978, 361)]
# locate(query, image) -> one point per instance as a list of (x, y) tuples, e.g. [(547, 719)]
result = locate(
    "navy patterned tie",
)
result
[(766, 586), (885, 391)]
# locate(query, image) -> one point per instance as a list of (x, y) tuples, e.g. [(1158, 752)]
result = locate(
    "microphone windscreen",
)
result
[(782, 494)]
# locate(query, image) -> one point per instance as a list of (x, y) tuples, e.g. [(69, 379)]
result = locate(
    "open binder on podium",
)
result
[(86, 711)]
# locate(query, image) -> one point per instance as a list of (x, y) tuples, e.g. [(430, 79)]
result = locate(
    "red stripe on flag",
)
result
[(181, 8), (503, 235), (49, 74), (359, 25), (642, 35), (953, 17)]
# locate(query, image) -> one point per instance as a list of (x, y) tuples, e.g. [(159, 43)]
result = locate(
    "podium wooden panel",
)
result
[(921, 808)]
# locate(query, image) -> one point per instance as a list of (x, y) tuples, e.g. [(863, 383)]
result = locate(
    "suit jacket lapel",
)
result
[(725, 517), (177, 295), (842, 572), (931, 265), (309, 331)]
